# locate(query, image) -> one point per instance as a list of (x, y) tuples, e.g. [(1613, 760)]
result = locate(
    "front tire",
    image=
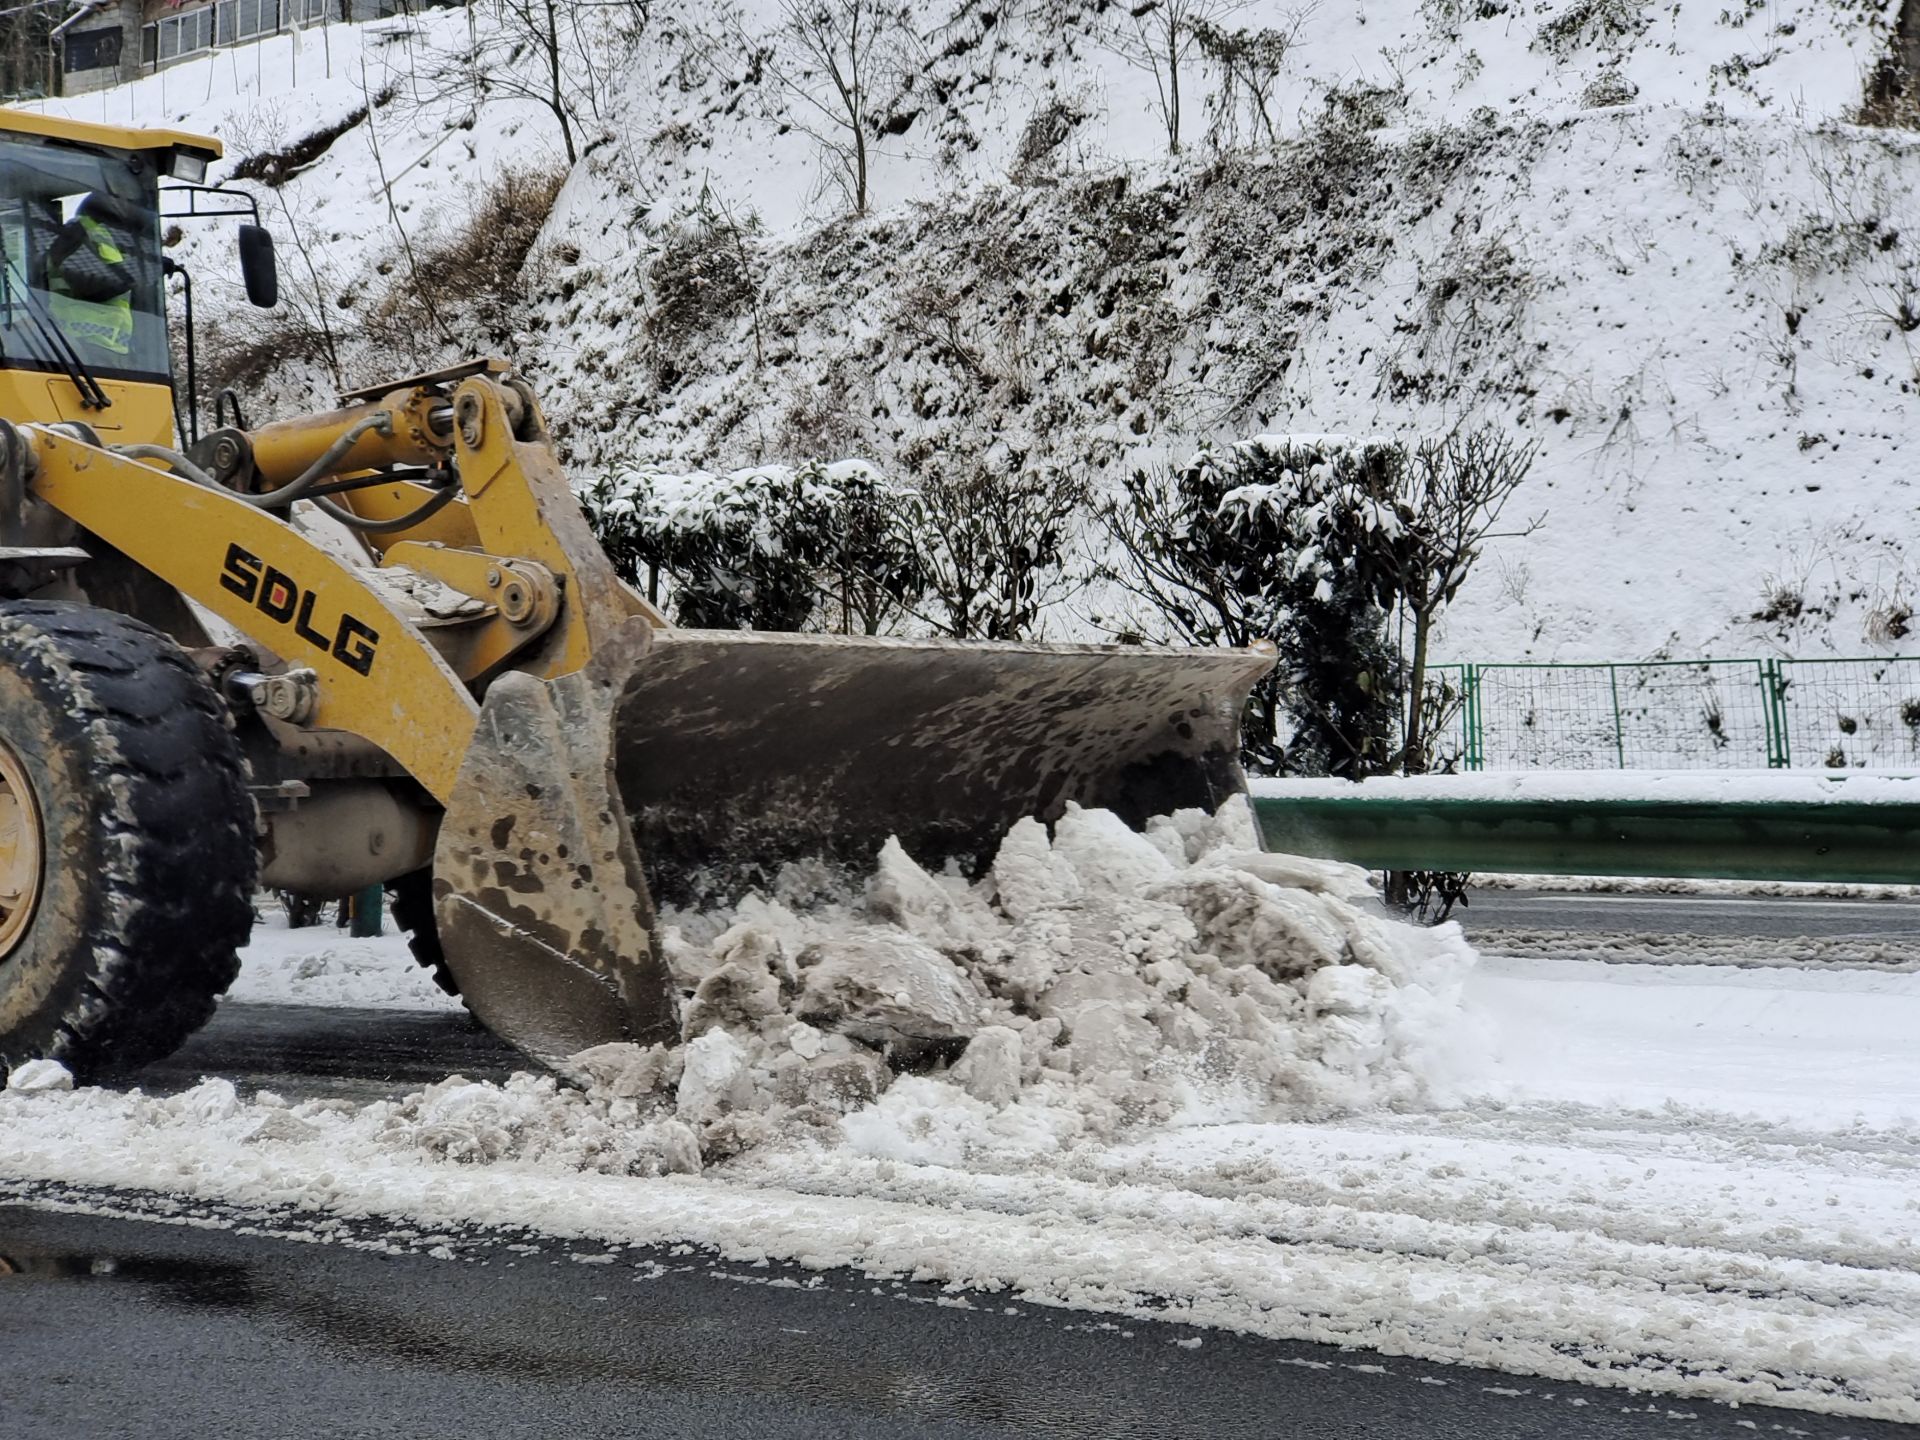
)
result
[(127, 857)]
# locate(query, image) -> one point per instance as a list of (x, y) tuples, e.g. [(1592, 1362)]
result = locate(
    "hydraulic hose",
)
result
[(286, 494), (381, 420), (181, 465), (308, 478), (432, 506)]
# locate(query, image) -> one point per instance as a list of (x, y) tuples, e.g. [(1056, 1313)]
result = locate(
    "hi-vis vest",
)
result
[(107, 324)]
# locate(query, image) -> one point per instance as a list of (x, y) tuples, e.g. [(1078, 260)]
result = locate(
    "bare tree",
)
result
[(827, 59), (309, 307), (1453, 494), (393, 212), (557, 53), (1159, 37)]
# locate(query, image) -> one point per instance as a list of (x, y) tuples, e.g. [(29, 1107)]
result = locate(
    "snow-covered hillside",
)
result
[(1645, 236)]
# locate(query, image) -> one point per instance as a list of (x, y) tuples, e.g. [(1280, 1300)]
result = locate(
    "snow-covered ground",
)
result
[(319, 965), (1687, 1179)]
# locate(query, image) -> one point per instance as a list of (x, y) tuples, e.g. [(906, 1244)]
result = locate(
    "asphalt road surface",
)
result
[(246, 1326), (117, 1328)]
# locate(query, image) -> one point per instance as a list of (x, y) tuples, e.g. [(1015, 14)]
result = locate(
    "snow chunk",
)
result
[(1028, 876), (944, 913), (38, 1077), (888, 988), (717, 1078), (734, 997), (1108, 856), (990, 1068)]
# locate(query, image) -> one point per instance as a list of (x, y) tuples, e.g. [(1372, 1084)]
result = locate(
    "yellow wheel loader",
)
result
[(381, 645)]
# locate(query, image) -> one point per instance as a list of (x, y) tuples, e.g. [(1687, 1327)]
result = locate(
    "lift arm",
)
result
[(375, 675)]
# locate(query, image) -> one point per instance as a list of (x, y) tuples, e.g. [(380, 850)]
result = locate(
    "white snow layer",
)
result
[(1193, 1082), (317, 965)]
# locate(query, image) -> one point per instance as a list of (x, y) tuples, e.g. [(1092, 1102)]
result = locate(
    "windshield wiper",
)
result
[(60, 349)]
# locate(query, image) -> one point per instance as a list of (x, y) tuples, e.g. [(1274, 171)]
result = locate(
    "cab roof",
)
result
[(112, 137)]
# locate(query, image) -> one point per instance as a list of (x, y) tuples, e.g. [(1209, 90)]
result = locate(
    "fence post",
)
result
[(1773, 699), (1619, 740), (1470, 716)]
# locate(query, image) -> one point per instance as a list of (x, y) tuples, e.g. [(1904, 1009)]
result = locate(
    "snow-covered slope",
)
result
[(1642, 235)]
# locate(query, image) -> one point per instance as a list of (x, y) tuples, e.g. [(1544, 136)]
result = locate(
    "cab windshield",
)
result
[(80, 235)]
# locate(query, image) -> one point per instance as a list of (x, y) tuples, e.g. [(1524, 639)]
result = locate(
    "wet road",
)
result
[(116, 1328), (329, 1052)]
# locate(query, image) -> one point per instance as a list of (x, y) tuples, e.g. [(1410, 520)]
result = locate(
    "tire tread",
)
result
[(173, 827)]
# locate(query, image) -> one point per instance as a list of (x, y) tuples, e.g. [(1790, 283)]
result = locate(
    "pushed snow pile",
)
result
[(1094, 983)]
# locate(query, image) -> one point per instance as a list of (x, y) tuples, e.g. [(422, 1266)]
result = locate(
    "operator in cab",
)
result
[(90, 279)]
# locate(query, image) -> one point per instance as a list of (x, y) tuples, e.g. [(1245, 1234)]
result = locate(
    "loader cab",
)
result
[(83, 296)]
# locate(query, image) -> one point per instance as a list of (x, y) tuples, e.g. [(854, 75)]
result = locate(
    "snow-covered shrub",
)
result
[(993, 537), (1248, 61), (974, 548), (1607, 89), (1309, 542), (1271, 541), (1036, 155), (1598, 23), (771, 548), (1473, 309), (1365, 105), (1445, 17), (703, 276)]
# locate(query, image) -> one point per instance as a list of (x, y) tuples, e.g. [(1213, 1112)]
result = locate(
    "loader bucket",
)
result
[(733, 753)]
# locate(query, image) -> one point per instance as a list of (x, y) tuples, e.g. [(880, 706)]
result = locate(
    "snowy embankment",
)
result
[(1649, 238), (1698, 1183)]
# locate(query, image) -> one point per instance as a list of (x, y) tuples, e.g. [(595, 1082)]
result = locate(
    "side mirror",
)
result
[(258, 268)]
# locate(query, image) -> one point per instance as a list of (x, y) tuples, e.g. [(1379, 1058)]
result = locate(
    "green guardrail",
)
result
[(1833, 843)]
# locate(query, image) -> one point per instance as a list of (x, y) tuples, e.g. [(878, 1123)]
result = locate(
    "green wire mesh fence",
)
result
[(1682, 715)]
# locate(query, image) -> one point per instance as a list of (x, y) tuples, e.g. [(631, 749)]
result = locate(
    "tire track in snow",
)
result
[(1579, 1243), (1749, 952)]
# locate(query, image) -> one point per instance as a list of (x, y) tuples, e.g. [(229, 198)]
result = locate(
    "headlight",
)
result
[(188, 165)]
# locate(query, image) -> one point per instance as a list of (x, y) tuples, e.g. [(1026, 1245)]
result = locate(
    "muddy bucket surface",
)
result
[(737, 752)]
